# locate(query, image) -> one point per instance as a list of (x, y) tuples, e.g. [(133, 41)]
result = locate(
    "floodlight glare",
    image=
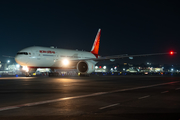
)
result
[(17, 65)]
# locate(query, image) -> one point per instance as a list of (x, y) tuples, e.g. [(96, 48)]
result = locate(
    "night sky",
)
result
[(128, 27)]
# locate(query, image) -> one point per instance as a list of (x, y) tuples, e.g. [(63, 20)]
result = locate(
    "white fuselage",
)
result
[(45, 57)]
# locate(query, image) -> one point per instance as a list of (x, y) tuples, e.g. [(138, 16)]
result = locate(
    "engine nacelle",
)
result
[(86, 67)]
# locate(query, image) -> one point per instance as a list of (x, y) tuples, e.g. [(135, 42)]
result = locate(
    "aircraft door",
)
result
[(38, 55), (33, 55), (56, 58)]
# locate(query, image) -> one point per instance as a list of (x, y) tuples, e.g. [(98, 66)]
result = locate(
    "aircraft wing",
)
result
[(8, 56), (127, 56)]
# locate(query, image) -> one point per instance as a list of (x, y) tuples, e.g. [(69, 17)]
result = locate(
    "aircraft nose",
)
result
[(17, 58), (20, 60)]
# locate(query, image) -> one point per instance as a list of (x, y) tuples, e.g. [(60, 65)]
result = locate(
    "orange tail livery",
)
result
[(95, 47)]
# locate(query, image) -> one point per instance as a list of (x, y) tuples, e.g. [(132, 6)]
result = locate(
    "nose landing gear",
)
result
[(31, 72)]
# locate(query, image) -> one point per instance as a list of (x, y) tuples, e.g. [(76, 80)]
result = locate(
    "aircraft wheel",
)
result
[(28, 74), (83, 75)]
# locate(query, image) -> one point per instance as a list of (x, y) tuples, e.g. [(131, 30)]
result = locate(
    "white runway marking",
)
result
[(109, 106), (9, 108), (81, 96), (144, 97)]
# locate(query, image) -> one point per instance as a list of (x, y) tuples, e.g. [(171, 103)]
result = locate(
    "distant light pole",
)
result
[(17, 66), (8, 61)]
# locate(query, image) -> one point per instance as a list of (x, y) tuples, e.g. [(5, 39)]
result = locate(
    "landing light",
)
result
[(65, 62), (25, 68)]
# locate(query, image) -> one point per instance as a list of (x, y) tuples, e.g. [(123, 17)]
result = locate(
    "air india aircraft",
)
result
[(35, 57)]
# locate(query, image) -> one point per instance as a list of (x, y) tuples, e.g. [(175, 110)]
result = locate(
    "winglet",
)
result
[(95, 47)]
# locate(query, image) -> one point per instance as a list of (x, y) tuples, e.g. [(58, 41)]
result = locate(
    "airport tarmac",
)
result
[(95, 97)]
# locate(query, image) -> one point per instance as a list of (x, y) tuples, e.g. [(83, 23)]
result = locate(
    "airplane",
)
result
[(35, 57)]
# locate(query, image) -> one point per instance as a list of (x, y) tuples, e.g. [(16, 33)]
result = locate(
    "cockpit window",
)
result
[(22, 53)]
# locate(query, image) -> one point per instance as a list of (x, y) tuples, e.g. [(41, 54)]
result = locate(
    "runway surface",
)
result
[(94, 97)]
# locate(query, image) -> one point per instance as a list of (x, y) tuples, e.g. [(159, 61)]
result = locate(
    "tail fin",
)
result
[(95, 47)]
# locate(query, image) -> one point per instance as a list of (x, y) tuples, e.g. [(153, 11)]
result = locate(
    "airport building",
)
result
[(9, 68), (133, 68)]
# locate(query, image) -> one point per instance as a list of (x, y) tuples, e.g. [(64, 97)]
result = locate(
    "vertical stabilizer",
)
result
[(95, 47)]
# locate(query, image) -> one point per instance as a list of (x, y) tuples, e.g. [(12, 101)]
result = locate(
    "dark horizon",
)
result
[(131, 27)]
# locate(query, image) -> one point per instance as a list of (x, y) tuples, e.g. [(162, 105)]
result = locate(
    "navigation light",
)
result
[(171, 52)]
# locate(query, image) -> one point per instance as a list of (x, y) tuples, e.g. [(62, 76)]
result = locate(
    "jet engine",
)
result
[(86, 67)]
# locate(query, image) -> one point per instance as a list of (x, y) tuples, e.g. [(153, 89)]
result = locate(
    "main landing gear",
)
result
[(53, 73)]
